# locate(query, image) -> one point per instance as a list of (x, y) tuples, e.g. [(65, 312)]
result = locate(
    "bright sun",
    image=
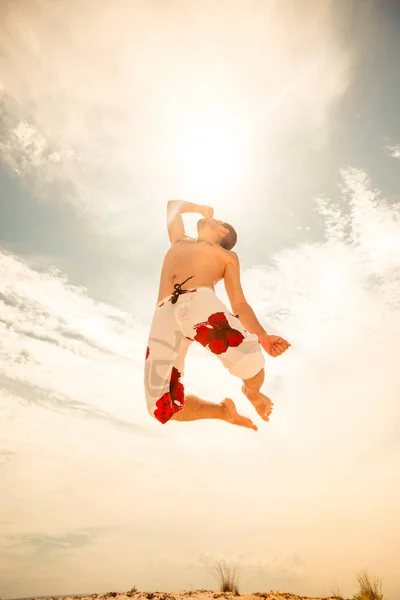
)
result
[(208, 153)]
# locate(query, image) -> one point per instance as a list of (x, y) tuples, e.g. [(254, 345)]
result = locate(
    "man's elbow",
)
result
[(173, 205), (239, 306)]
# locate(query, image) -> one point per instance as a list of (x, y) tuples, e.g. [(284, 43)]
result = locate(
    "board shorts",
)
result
[(184, 317)]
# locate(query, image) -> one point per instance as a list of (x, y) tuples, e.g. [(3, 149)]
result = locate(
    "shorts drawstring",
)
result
[(178, 290)]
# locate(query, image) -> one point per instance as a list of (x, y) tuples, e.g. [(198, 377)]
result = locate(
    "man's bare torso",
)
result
[(204, 260)]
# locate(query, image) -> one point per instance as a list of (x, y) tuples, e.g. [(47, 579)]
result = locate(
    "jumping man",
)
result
[(194, 313)]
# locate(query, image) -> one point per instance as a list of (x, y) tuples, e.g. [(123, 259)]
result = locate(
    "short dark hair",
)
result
[(230, 238)]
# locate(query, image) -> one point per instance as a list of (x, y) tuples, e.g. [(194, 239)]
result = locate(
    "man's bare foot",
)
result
[(261, 403), (232, 415)]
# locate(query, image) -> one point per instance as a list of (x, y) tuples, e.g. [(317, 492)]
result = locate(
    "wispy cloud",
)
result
[(46, 544), (51, 329), (394, 151), (79, 110), (337, 302)]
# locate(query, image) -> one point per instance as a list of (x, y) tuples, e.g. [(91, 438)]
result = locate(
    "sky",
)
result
[(284, 117)]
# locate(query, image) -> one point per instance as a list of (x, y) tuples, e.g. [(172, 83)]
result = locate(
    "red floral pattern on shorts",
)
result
[(217, 334), (172, 401)]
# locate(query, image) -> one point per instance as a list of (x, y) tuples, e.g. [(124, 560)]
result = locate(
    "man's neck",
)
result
[(205, 240)]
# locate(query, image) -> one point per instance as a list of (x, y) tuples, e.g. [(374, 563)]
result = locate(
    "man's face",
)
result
[(213, 229)]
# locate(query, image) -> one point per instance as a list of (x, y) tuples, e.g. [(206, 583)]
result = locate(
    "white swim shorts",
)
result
[(186, 316)]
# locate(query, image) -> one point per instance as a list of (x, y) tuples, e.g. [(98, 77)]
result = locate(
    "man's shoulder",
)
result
[(232, 257), (228, 255), (231, 261), (185, 238)]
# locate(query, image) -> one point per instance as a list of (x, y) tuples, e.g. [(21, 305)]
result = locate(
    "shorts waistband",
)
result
[(189, 290)]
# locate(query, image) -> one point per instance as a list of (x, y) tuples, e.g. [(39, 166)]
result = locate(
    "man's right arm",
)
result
[(273, 344), (175, 209)]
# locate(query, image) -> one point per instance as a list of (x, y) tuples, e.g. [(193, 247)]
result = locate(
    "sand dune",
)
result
[(194, 595)]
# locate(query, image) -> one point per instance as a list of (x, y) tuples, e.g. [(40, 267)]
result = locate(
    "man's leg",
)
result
[(261, 402), (195, 408)]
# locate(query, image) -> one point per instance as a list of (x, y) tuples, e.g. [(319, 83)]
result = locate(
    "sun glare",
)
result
[(208, 153)]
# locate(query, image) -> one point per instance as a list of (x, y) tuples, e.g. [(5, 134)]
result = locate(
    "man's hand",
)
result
[(273, 344), (206, 211), (175, 209)]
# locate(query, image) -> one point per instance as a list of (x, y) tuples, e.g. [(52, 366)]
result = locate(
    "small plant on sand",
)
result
[(368, 589), (132, 591), (336, 594), (227, 577)]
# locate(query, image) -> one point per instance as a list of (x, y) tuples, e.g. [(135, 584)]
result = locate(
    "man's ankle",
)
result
[(251, 393)]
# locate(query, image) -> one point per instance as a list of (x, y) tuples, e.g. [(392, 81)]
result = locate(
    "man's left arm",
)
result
[(272, 344)]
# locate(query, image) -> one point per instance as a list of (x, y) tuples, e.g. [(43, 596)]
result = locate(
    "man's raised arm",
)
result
[(175, 209)]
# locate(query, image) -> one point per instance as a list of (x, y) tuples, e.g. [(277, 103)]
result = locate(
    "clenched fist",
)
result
[(274, 345), (206, 211)]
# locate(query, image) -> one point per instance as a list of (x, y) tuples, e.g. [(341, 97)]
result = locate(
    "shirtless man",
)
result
[(194, 313)]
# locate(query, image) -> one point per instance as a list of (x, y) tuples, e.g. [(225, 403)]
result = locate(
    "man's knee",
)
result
[(256, 381)]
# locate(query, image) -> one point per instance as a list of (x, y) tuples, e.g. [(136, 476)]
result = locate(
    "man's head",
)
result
[(219, 232)]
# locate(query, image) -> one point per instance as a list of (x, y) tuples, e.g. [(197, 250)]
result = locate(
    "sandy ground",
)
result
[(195, 595)]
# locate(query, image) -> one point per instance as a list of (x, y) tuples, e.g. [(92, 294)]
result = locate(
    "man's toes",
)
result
[(234, 417), (245, 422), (265, 413)]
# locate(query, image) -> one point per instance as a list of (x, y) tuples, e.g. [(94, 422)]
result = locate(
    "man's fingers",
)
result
[(283, 344), (280, 346)]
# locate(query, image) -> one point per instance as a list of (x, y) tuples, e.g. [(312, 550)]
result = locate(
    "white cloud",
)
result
[(394, 151), (76, 98), (51, 329)]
